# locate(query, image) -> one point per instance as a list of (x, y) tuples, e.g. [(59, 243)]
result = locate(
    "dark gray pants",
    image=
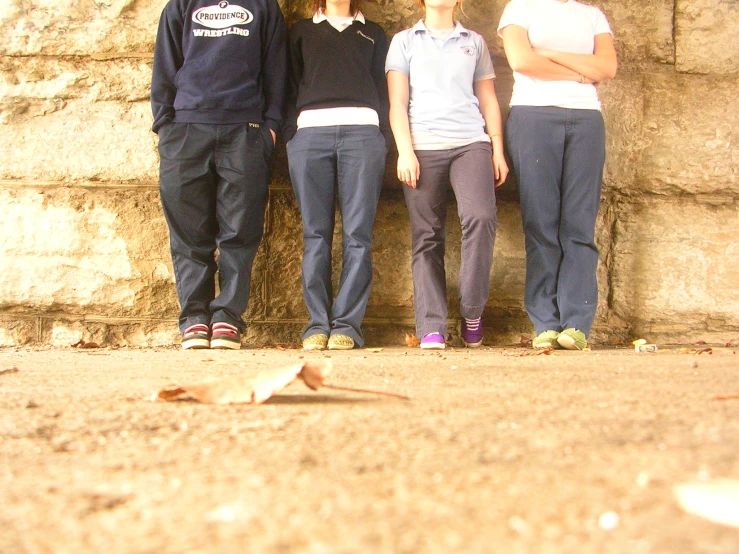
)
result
[(558, 156), (469, 169), (352, 156), (213, 184)]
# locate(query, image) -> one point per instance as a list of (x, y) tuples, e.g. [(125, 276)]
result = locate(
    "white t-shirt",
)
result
[(564, 27)]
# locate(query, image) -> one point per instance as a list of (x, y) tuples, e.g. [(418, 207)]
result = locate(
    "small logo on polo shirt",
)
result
[(361, 34), (469, 50)]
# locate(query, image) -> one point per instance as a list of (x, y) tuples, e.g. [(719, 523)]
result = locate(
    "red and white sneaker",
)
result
[(225, 336), (196, 337)]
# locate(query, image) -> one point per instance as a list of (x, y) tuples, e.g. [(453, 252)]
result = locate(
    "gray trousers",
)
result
[(349, 159), (469, 170), (558, 156)]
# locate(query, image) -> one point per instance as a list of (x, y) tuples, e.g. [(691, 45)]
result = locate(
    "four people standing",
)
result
[(217, 96)]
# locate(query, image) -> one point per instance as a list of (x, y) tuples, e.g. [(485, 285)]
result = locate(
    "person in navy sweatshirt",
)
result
[(217, 95), (337, 113)]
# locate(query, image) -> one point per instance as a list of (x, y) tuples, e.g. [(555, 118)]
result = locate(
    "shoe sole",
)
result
[(313, 347), (433, 346), (473, 344), (340, 347), (224, 344), (196, 344), (567, 342)]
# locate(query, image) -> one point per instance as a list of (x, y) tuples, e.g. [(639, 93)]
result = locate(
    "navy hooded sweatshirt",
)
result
[(220, 62)]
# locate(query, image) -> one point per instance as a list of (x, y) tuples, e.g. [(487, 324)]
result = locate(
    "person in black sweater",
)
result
[(217, 95), (336, 124)]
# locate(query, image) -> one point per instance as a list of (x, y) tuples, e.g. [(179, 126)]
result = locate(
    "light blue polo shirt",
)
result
[(441, 77)]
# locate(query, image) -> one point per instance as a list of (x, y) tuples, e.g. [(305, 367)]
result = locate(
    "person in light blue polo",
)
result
[(447, 126)]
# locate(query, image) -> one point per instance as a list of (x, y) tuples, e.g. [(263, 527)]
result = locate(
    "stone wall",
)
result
[(85, 247)]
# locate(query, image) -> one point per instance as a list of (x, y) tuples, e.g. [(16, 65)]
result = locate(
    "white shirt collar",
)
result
[(321, 16), (459, 29)]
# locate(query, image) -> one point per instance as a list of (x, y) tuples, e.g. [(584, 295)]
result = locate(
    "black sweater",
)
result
[(332, 69), (220, 62)]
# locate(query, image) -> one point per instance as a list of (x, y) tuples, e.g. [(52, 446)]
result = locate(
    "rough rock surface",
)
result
[(85, 250)]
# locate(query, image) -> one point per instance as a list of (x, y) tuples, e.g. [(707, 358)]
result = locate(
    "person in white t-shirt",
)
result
[(447, 126), (559, 50)]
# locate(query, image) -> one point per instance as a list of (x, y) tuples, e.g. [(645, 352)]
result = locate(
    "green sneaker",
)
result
[(547, 339), (316, 342), (340, 342), (572, 339)]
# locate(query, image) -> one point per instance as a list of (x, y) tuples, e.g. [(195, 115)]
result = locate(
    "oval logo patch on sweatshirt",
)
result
[(222, 15)]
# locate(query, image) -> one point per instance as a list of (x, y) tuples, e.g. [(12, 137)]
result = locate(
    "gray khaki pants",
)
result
[(469, 170)]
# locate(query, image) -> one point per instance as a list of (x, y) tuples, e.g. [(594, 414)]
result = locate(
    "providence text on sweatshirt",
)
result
[(220, 62)]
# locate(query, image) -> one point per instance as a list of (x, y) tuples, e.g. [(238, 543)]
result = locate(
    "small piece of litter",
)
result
[(642, 479), (608, 521), (645, 347), (519, 525), (716, 500)]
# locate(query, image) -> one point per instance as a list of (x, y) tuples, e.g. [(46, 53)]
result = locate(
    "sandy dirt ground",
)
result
[(497, 452)]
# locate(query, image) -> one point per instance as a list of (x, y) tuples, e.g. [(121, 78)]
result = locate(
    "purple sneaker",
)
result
[(433, 341), (472, 332)]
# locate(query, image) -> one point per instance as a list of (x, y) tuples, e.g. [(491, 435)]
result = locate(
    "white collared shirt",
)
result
[(442, 107), (338, 23)]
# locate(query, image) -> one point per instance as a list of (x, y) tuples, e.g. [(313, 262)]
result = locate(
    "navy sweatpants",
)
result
[(213, 183), (558, 156)]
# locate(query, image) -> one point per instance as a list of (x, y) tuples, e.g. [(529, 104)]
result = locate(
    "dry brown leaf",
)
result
[(716, 500), (704, 351), (525, 341), (726, 396), (82, 344), (701, 342), (411, 340), (9, 370), (373, 350), (255, 390), (731, 343)]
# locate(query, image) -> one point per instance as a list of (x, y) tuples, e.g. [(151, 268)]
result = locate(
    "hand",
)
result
[(500, 167), (274, 137), (409, 170)]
